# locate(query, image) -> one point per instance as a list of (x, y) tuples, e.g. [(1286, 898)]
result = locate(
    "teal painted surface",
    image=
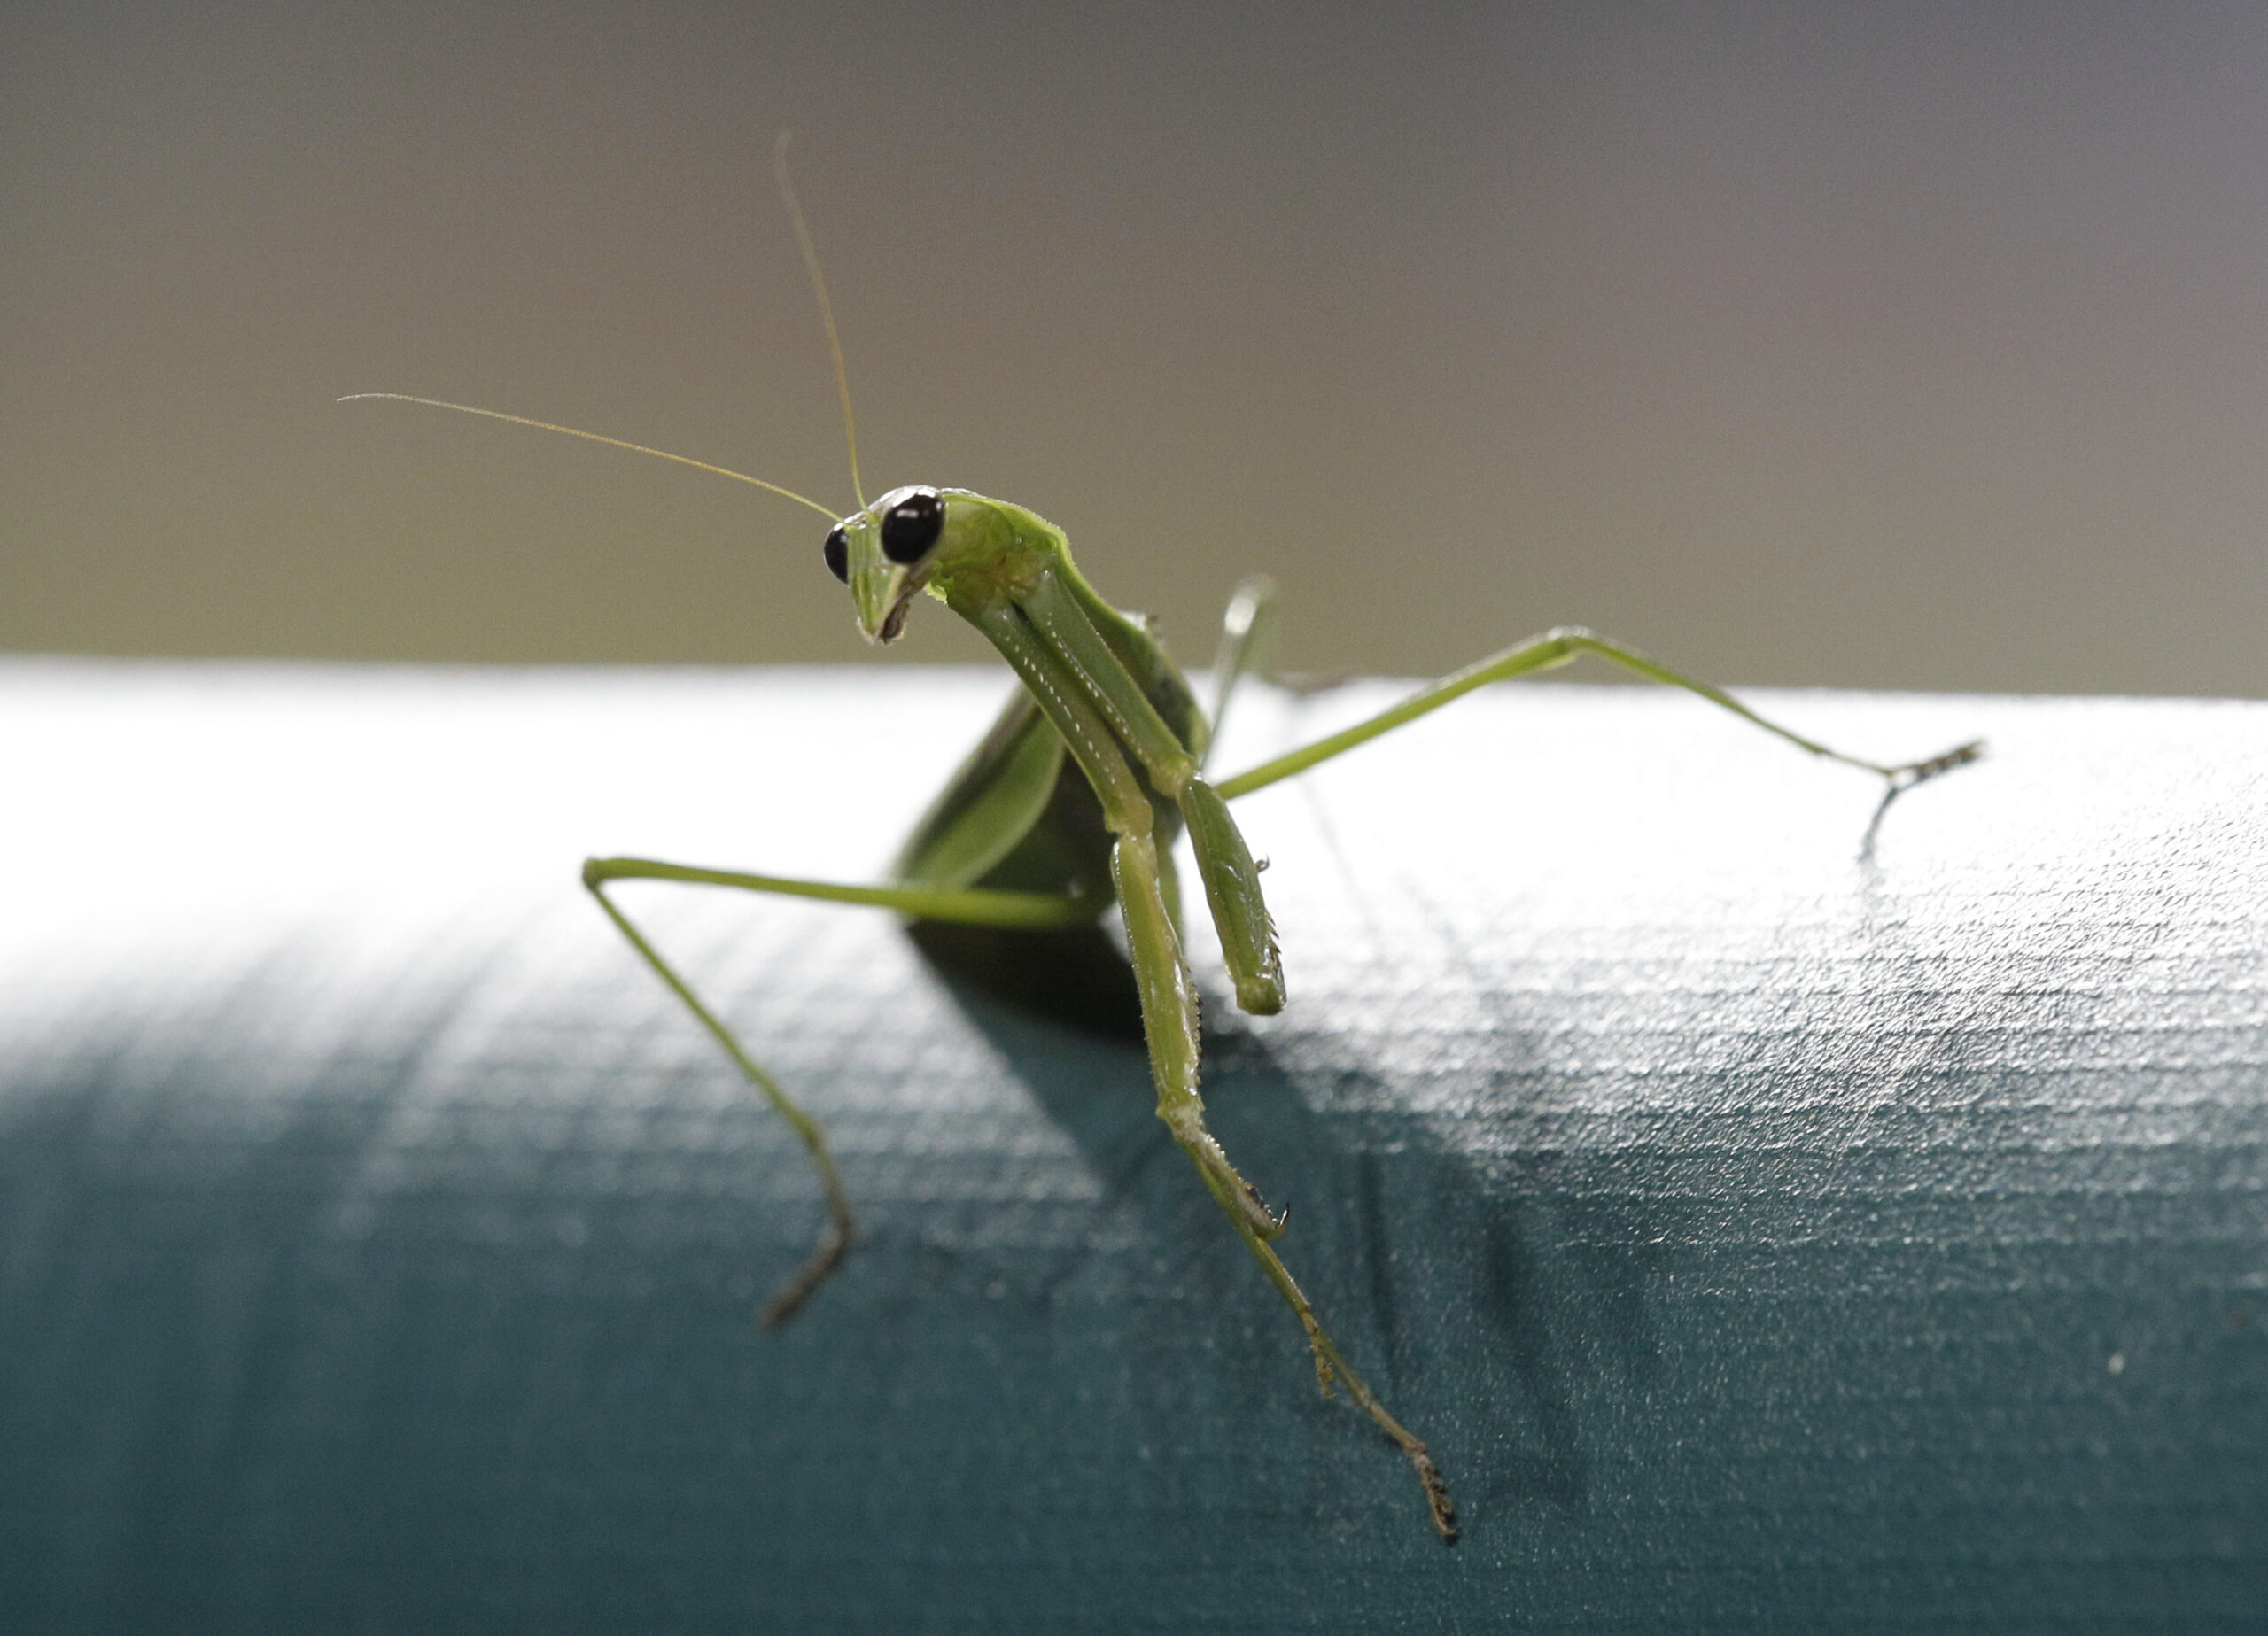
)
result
[(1765, 1237)]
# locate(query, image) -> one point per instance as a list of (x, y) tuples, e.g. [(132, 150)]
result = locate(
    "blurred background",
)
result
[(1918, 346)]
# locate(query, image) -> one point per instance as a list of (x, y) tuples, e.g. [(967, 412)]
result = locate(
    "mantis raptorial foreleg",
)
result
[(1064, 691), (1058, 640), (1169, 1018)]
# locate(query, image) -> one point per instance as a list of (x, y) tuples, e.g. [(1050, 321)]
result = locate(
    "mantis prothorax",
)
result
[(1073, 801)]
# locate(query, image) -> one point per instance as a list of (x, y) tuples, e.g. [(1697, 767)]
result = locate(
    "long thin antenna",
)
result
[(592, 437), (826, 307)]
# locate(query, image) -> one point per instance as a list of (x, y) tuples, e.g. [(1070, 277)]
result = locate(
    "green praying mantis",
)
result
[(1073, 802)]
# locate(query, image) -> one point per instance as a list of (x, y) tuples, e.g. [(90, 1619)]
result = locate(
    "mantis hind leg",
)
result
[(979, 908), (1548, 652)]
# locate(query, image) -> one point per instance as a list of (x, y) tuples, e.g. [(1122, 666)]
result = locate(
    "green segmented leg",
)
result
[(1030, 910), (1169, 998), (1547, 652), (1056, 644)]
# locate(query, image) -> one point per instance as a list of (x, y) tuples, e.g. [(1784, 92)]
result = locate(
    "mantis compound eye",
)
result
[(912, 525), (837, 553)]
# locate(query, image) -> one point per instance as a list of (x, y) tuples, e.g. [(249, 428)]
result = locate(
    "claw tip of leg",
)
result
[(1437, 1499)]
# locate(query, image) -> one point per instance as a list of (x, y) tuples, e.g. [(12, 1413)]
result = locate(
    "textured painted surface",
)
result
[(1764, 1234)]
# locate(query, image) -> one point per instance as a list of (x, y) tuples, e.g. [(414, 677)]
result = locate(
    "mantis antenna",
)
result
[(593, 437), (826, 307), (834, 346)]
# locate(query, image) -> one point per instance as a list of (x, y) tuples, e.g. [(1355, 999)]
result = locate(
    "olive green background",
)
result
[(1919, 347)]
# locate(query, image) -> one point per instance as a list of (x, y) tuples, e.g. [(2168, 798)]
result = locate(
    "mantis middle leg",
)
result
[(1029, 909)]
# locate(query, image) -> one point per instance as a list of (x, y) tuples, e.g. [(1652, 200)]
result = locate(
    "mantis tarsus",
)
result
[(1073, 802)]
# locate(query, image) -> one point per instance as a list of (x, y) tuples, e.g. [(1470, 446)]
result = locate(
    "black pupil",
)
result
[(837, 553), (913, 527)]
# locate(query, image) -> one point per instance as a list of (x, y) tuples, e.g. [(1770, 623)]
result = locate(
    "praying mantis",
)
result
[(1072, 803)]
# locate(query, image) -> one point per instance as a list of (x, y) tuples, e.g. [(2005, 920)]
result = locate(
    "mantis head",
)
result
[(886, 552)]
